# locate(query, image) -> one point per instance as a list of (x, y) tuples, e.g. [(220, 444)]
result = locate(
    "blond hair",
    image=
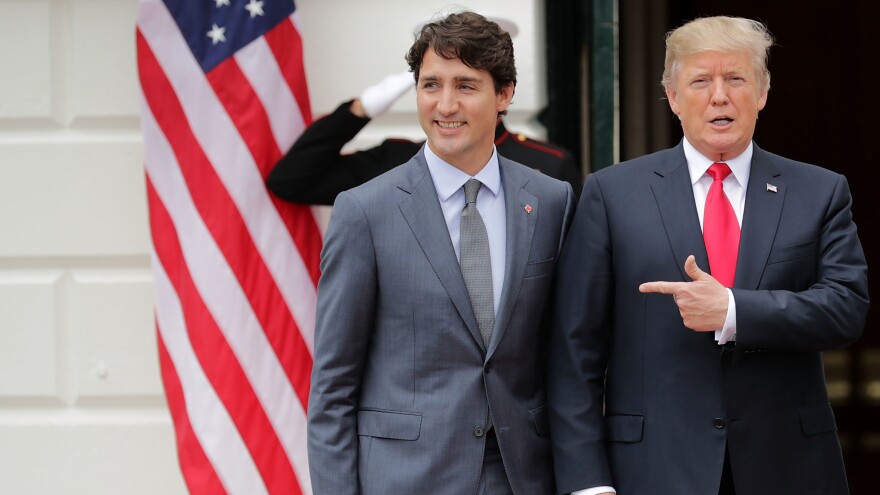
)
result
[(720, 34)]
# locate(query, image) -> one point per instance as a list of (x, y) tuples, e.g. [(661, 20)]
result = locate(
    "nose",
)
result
[(719, 93), (448, 103)]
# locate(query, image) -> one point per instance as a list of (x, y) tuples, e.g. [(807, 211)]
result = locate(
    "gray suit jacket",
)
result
[(638, 401), (402, 384)]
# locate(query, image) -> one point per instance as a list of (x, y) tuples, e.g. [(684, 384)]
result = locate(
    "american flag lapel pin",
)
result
[(528, 208), (771, 188)]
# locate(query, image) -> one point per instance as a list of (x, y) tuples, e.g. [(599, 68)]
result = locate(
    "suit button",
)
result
[(719, 423), (479, 432), (488, 368)]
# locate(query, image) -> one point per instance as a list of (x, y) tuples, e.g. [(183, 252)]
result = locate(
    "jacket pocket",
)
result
[(540, 268), (624, 428), (539, 418), (389, 424), (817, 419), (790, 253)]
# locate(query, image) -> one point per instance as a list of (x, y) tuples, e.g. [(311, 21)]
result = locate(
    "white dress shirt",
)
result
[(735, 189), (449, 183)]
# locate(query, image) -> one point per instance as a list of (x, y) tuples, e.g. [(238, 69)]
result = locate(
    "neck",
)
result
[(470, 162)]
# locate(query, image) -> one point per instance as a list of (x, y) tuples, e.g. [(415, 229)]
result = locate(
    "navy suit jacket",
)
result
[(640, 402)]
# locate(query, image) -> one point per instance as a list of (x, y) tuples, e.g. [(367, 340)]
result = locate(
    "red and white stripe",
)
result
[(235, 269)]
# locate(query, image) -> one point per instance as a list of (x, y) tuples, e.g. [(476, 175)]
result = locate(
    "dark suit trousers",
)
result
[(726, 478), (493, 478)]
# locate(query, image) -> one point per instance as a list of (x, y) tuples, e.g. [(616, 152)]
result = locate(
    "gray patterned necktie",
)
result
[(476, 266)]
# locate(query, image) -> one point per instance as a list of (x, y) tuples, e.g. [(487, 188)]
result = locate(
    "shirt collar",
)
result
[(698, 164), (448, 179)]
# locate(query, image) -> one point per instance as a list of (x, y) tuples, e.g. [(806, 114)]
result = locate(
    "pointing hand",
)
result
[(702, 302)]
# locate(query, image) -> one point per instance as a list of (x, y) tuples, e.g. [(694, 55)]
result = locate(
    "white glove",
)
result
[(378, 98)]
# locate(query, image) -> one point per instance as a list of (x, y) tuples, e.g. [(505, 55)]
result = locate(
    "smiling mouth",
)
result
[(722, 121), (449, 125)]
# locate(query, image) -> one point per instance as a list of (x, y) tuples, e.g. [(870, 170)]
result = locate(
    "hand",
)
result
[(378, 98), (589, 490), (702, 303)]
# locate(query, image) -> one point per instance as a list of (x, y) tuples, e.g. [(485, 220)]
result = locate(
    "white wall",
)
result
[(81, 402), (350, 46)]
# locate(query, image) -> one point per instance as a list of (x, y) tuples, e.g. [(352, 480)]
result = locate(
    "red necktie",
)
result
[(720, 228)]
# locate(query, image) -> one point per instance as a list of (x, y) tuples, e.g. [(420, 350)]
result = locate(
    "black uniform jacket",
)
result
[(314, 171)]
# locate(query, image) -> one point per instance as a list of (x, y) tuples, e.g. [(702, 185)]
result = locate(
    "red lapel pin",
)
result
[(528, 208)]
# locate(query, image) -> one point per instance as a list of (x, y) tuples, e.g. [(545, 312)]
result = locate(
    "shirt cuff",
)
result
[(728, 331), (595, 491)]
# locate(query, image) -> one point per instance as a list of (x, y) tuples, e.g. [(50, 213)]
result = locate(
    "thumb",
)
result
[(693, 271)]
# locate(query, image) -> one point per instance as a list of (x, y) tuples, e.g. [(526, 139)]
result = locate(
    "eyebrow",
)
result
[(703, 72), (456, 79)]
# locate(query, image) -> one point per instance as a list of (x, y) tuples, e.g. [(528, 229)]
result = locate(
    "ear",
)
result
[(504, 97), (762, 100), (672, 98)]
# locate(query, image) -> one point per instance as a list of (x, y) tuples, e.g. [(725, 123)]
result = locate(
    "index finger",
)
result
[(661, 287)]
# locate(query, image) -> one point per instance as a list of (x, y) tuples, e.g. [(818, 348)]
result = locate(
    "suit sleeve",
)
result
[(829, 314), (314, 170), (571, 173), (579, 346), (346, 305)]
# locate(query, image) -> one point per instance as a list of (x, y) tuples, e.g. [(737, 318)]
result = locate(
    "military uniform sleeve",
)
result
[(314, 170)]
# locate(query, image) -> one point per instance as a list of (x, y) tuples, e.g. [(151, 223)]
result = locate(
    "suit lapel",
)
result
[(760, 220), (674, 194), (520, 229), (422, 212)]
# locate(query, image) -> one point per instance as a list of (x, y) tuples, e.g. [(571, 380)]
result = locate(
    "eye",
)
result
[(700, 82)]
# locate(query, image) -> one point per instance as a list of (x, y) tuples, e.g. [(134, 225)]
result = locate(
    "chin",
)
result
[(724, 148)]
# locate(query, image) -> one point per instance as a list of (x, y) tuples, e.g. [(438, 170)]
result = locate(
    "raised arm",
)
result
[(314, 170)]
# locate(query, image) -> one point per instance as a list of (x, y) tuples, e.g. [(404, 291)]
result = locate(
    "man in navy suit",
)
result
[(696, 291)]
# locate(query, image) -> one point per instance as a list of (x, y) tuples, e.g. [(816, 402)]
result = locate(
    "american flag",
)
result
[(235, 269)]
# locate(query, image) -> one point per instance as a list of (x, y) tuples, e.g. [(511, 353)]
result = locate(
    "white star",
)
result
[(217, 34), (221, 3), (255, 7)]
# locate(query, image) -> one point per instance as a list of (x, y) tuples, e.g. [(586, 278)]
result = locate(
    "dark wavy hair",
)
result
[(478, 42)]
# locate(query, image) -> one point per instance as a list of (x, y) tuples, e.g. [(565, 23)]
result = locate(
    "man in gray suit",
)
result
[(428, 374)]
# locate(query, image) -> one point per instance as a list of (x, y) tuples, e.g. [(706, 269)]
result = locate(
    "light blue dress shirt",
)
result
[(449, 184)]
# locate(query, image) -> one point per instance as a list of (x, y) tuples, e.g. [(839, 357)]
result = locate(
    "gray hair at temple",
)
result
[(720, 34)]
